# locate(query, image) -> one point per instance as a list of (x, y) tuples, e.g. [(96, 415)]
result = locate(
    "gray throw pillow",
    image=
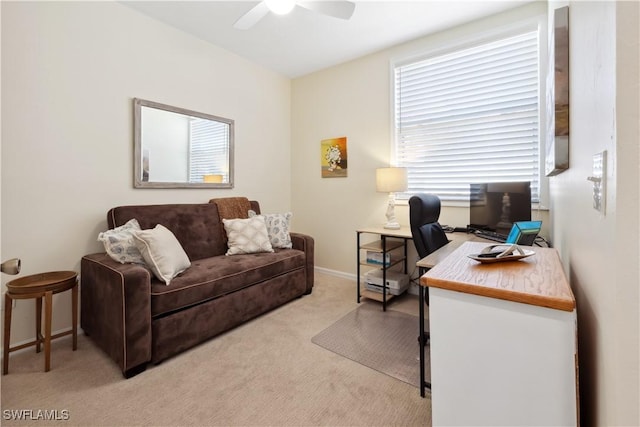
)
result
[(277, 228), (119, 243)]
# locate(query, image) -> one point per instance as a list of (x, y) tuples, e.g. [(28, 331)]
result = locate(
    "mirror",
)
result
[(178, 148)]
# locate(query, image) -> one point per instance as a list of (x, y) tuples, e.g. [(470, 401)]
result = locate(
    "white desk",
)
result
[(503, 341)]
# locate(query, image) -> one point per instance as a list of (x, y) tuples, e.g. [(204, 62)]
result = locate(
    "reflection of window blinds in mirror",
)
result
[(208, 149)]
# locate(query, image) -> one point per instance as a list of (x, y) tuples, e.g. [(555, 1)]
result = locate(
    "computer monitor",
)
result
[(524, 232), (496, 206)]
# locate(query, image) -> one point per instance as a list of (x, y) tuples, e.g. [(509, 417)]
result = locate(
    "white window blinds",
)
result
[(208, 149), (469, 116)]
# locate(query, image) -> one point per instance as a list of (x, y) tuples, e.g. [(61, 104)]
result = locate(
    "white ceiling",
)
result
[(304, 41)]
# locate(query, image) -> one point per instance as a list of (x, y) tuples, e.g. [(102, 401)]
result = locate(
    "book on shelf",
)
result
[(376, 258)]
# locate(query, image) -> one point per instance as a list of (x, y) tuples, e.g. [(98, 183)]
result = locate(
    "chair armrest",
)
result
[(116, 309), (306, 244)]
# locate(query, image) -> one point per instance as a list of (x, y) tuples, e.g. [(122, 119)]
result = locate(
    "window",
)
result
[(471, 115)]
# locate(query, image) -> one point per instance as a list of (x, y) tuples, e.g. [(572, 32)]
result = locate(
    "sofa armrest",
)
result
[(116, 310), (305, 243)]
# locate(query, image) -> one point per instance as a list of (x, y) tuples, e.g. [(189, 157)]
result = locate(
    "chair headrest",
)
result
[(423, 209)]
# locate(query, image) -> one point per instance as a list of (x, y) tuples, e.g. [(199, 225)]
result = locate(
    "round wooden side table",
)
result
[(40, 286)]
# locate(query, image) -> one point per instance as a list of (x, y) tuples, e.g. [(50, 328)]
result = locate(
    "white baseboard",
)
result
[(335, 273)]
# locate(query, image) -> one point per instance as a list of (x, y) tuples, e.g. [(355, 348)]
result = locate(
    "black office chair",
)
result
[(427, 233), (428, 236)]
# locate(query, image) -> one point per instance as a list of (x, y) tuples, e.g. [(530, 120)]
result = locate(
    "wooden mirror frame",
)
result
[(142, 181)]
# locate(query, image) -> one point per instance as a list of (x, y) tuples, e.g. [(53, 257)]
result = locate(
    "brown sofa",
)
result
[(136, 319)]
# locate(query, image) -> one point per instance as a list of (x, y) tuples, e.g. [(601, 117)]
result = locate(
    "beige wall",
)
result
[(354, 100), (69, 73), (600, 252)]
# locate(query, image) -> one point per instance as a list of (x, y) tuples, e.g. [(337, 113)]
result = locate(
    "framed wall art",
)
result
[(333, 158), (557, 144)]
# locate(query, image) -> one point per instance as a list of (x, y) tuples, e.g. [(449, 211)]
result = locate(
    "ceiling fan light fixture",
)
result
[(280, 7)]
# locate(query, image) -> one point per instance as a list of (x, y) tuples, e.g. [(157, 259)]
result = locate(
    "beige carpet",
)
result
[(386, 341), (266, 372)]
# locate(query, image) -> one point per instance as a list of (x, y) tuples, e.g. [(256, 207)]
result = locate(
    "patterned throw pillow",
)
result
[(119, 244), (247, 236), (162, 252), (277, 228)]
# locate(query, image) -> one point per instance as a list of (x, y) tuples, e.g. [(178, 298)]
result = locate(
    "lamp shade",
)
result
[(391, 180), (12, 266)]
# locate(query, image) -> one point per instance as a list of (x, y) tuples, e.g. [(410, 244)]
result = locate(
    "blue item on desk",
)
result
[(524, 232)]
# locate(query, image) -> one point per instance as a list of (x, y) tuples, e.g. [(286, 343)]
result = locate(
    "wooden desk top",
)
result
[(402, 232), (536, 280), (455, 240)]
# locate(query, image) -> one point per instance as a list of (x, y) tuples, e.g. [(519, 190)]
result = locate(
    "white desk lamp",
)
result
[(391, 180)]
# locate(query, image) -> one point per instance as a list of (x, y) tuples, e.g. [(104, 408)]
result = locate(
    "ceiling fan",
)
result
[(338, 9)]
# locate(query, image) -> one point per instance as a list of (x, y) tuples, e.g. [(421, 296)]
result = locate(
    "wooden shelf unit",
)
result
[(393, 242)]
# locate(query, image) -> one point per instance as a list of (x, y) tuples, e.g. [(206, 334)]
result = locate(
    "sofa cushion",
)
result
[(119, 243), (247, 236), (162, 252), (214, 277), (196, 226), (277, 228)]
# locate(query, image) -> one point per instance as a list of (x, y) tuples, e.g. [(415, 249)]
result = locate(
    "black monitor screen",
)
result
[(496, 206)]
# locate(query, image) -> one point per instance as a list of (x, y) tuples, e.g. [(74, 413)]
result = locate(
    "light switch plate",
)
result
[(599, 180)]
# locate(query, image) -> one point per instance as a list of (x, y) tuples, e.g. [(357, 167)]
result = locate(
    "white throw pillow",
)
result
[(119, 243), (247, 236), (277, 228), (162, 252)]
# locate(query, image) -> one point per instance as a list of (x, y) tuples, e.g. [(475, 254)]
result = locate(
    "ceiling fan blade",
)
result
[(337, 9), (250, 18)]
